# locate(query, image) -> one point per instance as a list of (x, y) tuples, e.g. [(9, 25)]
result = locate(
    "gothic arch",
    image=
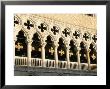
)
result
[(49, 48), (21, 44), (25, 33), (39, 34), (75, 42), (61, 50), (36, 46), (83, 52), (63, 38), (93, 53), (72, 51), (52, 37), (94, 44)]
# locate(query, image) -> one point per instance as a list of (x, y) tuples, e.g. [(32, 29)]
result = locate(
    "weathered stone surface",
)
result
[(39, 71)]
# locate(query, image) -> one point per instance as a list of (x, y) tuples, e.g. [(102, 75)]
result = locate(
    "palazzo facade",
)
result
[(62, 41)]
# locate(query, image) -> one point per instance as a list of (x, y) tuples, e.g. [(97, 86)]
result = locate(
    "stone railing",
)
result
[(84, 66), (73, 65), (50, 63), (93, 66), (62, 64), (20, 61), (36, 62)]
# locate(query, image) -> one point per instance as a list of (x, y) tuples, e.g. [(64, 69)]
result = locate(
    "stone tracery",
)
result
[(62, 55)]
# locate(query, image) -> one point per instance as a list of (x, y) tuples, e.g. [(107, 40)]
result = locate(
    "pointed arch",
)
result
[(93, 54), (61, 50), (63, 39), (52, 37), (23, 30), (83, 52), (73, 51), (49, 48), (21, 44), (36, 46)]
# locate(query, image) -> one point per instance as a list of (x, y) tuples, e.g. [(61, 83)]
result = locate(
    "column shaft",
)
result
[(56, 57), (88, 58), (67, 57), (78, 59), (29, 54), (43, 56)]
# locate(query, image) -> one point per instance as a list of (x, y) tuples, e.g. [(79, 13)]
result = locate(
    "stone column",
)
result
[(78, 58), (88, 58), (67, 57), (15, 39), (56, 55), (43, 53), (28, 53)]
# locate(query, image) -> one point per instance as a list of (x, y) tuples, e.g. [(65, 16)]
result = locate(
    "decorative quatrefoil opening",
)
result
[(43, 27), (28, 24), (86, 36), (55, 30), (76, 34), (66, 32)]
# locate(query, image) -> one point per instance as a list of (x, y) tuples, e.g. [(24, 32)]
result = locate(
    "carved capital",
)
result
[(56, 44), (43, 44), (88, 50), (67, 47), (29, 41), (87, 47), (78, 48)]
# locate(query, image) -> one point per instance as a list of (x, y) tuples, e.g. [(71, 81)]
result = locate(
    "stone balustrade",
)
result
[(20, 61), (37, 62)]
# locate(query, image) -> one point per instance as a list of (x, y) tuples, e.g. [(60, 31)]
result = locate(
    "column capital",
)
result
[(88, 50), (56, 44), (78, 48), (87, 47), (67, 47), (29, 41), (43, 44)]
